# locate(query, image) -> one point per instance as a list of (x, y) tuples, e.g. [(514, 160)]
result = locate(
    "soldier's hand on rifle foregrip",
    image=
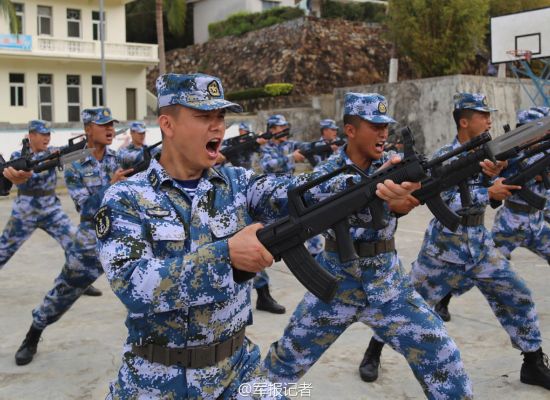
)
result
[(15, 176), (246, 252), (491, 169)]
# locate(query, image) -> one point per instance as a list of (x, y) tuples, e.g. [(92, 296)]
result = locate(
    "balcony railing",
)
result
[(75, 48)]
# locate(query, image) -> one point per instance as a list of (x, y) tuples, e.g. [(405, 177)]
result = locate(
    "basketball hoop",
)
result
[(521, 54)]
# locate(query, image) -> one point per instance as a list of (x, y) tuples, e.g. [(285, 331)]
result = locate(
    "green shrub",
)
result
[(366, 12), (269, 90), (242, 22)]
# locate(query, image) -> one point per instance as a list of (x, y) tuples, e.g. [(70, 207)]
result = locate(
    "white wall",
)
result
[(115, 29), (119, 78), (208, 11)]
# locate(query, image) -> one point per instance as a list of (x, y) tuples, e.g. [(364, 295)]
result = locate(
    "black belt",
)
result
[(365, 249), (191, 357), (520, 207), (473, 219), (35, 192)]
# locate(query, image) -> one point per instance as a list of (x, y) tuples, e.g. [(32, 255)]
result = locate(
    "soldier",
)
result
[(86, 181), (36, 204), (174, 240), (454, 262), (329, 133), (245, 158), (133, 153), (374, 288), (516, 223)]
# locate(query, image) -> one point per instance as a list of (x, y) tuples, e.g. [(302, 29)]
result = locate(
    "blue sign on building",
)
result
[(16, 42)]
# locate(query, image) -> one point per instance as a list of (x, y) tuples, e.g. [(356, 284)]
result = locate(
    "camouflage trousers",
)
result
[(20, 227), (507, 294), (140, 379), (81, 269), (513, 229), (315, 246), (396, 313)]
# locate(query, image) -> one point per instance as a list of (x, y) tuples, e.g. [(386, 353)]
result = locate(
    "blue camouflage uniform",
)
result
[(131, 155), (165, 253), (456, 261), (36, 206), (86, 182), (374, 290), (245, 158), (513, 227)]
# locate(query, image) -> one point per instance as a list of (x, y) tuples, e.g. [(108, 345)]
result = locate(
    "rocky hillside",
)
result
[(316, 55)]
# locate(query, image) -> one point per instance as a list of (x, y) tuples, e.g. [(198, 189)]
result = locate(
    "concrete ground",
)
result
[(80, 354)]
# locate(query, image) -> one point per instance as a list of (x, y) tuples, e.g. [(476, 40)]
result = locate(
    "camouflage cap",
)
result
[(543, 110), (277, 120), (328, 124), (244, 126), (371, 107), (99, 116), (39, 126), (137, 126), (529, 115), (197, 91), (472, 101)]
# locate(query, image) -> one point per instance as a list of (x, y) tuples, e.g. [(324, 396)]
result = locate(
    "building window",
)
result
[(73, 97), (17, 90), (97, 91), (20, 16), (267, 4), (95, 25), (44, 20), (73, 23), (45, 103)]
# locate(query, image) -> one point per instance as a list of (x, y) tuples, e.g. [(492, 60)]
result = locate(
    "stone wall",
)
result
[(316, 55), (426, 105)]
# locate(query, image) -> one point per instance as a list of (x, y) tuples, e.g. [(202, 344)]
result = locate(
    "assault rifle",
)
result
[(144, 164), (320, 148), (72, 152), (248, 143), (528, 173), (456, 172), (284, 238)]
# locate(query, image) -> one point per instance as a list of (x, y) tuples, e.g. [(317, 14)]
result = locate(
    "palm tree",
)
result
[(7, 10), (175, 16)]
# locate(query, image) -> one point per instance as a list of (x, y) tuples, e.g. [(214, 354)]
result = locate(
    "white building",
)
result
[(207, 11), (52, 69)]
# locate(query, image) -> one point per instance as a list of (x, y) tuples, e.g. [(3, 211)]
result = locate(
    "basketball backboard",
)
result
[(513, 35)]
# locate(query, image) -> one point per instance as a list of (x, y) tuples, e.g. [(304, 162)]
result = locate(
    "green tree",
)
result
[(499, 7), (7, 10), (439, 37)]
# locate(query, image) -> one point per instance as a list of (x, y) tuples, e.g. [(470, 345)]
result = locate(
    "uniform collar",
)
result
[(91, 159), (374, 165), (157, 175)]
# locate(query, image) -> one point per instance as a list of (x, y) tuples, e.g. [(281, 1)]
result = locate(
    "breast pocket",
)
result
[(168, 236)]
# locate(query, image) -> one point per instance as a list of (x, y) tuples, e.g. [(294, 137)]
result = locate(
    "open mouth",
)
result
[(380, 145), (212, 147)]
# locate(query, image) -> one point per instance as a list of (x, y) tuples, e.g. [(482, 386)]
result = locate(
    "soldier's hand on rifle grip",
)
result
[(399, 197), (261, 141), (120, 175), (492, 169), (15, 176), (298, 157), (499, 191), (246, 252)]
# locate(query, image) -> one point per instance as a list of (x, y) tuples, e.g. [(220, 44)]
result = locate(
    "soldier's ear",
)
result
[(166, 125), (349, 130)]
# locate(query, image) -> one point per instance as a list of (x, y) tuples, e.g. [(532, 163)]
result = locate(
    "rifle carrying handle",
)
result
[(321, 283)]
